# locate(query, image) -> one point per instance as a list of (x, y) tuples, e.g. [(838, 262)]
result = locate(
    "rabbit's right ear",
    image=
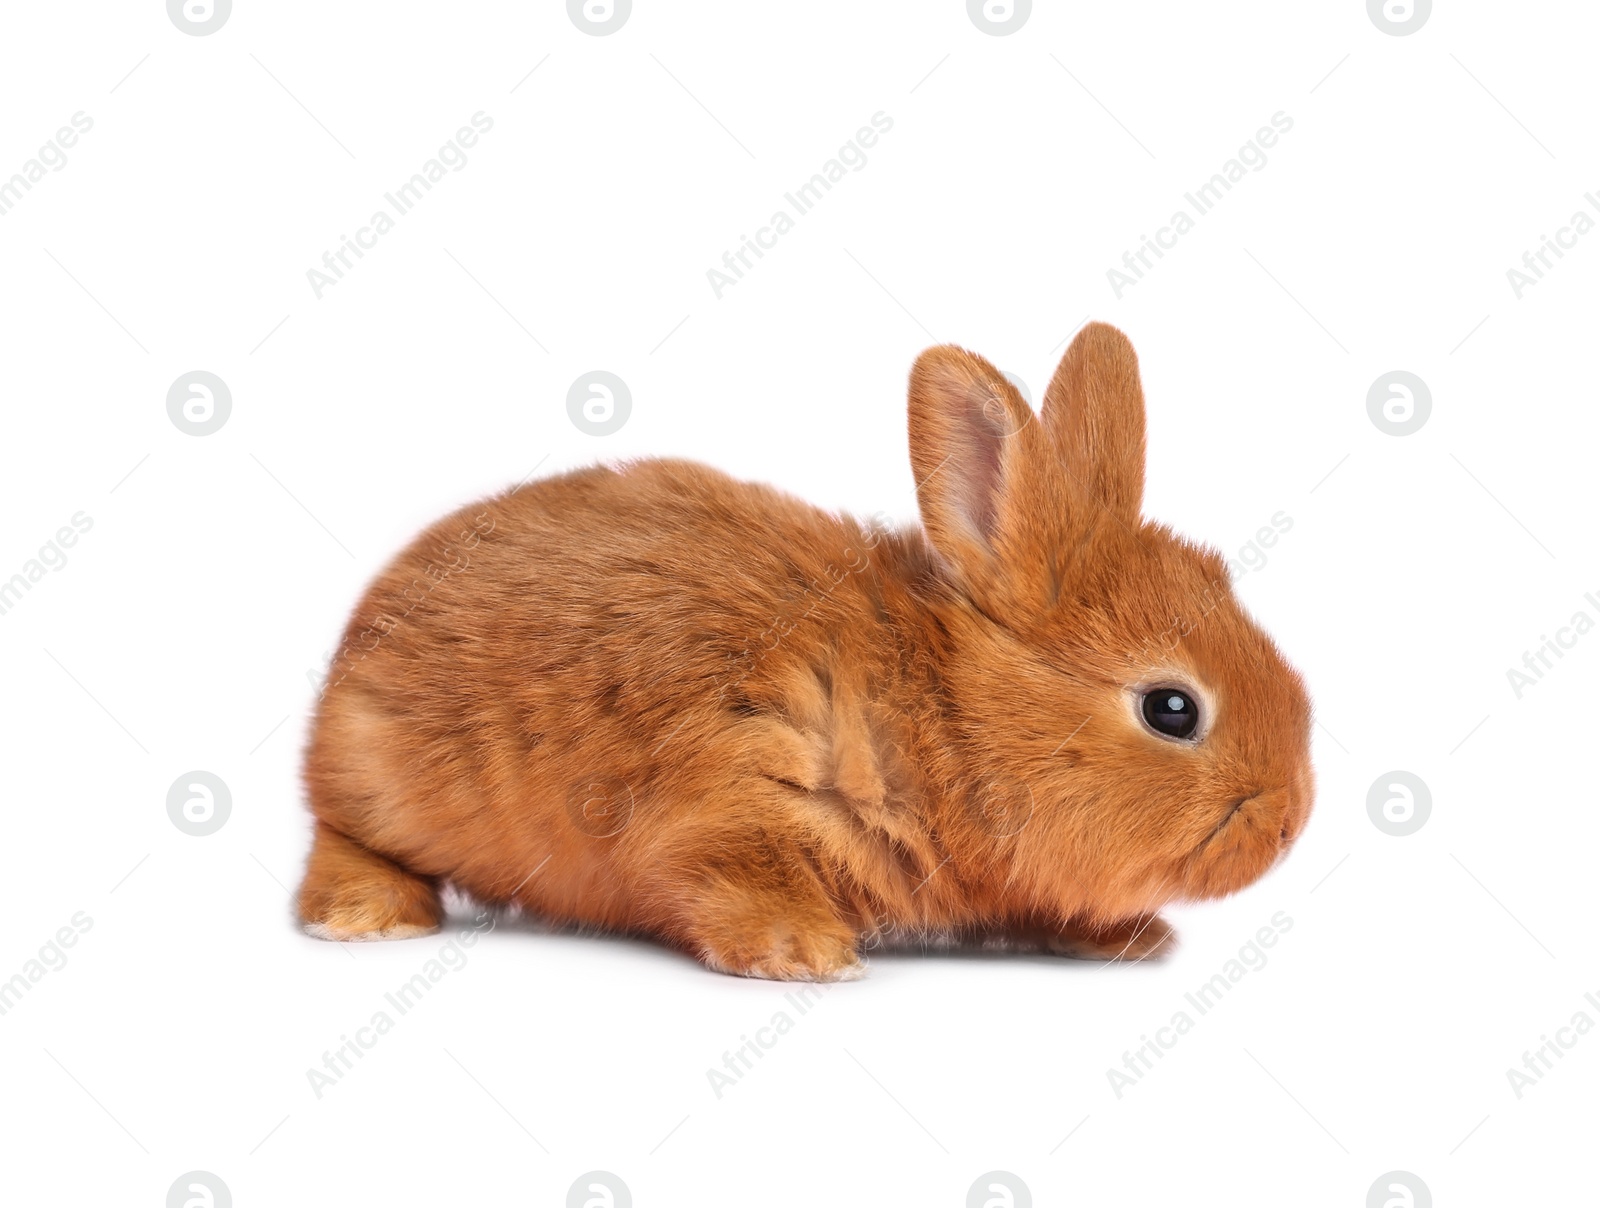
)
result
[(968, 425), (1094, 409)]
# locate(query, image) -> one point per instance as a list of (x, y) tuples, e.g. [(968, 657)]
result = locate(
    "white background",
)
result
[(186, 628)]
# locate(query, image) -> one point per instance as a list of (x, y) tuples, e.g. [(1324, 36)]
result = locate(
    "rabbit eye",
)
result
[(1171, 712)]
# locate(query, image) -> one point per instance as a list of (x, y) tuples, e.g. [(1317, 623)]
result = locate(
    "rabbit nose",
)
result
[(1296, 812)]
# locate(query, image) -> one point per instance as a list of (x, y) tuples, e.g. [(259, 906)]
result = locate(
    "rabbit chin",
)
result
[(1253, 834)]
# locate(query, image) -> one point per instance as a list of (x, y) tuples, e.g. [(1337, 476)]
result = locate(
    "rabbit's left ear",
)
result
[(1094, 412), (968, 427)]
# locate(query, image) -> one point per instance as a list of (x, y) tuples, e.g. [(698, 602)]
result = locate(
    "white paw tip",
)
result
[(402, 931), (846, 973)]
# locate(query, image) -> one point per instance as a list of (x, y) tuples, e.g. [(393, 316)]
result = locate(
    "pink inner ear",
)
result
[(976, 447)]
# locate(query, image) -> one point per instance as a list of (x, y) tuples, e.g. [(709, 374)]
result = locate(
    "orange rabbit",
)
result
[(650, 698)]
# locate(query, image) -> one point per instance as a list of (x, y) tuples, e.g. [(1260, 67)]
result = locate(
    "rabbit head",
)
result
[(1139, 738)]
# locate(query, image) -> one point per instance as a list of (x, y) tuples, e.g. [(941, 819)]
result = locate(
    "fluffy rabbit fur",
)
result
[(651, 699)]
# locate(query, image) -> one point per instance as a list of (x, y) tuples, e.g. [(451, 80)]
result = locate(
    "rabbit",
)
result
[(651, 699)]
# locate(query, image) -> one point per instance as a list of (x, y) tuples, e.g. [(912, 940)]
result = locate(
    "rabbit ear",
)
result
[(965, 420), (1094, 412)]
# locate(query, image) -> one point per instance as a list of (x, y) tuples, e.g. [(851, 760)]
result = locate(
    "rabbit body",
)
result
[(652, 699)]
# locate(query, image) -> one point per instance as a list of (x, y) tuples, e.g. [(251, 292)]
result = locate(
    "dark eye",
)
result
[(1171, 712)]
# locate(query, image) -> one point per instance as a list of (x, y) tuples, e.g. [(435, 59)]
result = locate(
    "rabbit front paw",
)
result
[(780, 949), (1146, 937)]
